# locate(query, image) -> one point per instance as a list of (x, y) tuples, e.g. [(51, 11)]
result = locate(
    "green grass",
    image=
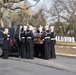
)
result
[(66, 43)]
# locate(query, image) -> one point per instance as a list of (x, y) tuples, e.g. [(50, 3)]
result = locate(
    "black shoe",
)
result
[(47, 58), (53, 58)]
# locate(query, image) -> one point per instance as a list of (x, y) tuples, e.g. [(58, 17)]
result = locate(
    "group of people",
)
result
[(26, 42), (45, 50), (26, 46), (49, 42)]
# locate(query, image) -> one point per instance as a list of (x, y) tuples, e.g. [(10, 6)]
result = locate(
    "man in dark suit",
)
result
[(53, 42), (46, 36), (29, 42), (23, 48)]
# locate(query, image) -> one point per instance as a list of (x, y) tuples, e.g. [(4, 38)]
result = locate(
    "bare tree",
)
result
[(7, 4), (38, 19), (65, 10)]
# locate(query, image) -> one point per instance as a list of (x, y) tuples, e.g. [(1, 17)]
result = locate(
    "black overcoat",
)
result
[(6, 42)]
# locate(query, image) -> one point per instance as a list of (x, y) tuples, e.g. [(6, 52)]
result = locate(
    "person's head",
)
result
[(6, 31), (40, 29), (33, 29), (46, 27), (52, 28), (30, 27), (20, 27), (25, 28)]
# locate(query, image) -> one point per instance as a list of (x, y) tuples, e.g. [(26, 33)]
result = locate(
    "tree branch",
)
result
[(5, 6), (33, 5), (26, 7)]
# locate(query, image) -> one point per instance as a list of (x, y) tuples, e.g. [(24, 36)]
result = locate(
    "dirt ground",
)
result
[(66, 49)]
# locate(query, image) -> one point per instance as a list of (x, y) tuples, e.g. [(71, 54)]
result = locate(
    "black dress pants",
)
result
[(47, 49), (53, 55), (30, 49), (5, 54), (23, 51)]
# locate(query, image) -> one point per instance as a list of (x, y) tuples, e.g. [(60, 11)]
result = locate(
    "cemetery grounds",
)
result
[(65, 47)]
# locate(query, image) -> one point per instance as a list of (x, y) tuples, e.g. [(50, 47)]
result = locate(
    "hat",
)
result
[(34, 28), (47, 25), (20, 27), (51, 27), (25, 27), (41, 27), (30, 27)]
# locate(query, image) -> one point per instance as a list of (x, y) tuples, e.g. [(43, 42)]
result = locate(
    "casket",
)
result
[(37, 39)]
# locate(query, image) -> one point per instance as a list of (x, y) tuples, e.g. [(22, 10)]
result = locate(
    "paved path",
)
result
[(18, 66)]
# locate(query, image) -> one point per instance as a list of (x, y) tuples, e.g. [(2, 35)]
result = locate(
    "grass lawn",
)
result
[(66, 43), (65, 47)]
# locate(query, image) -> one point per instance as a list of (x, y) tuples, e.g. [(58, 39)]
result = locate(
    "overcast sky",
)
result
[(43, 4)]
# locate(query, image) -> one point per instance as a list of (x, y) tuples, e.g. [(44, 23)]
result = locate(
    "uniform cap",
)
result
[(25, 27), (30, 27), (20, 27), (41, 27), (47, 25), (51, 27)]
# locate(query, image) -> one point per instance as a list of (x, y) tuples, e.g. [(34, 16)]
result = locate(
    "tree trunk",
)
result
[(2, 24)]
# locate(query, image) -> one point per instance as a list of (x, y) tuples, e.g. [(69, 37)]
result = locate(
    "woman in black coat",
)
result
[(6, 43)]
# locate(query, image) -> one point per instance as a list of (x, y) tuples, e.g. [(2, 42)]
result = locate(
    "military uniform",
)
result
[(29, 43), (6, 46), (23, 45), (53, 42), (46, 36)]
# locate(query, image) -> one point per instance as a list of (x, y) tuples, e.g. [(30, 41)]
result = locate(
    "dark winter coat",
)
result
[(6, 42)]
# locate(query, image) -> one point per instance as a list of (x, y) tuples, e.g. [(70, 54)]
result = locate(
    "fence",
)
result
[(65, 38)]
